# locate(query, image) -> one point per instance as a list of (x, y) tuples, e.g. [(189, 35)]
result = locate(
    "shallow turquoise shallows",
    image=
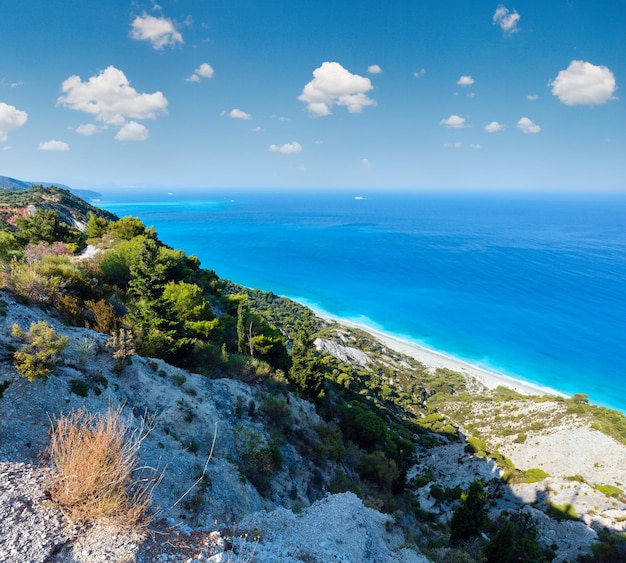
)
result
[(529, 286)]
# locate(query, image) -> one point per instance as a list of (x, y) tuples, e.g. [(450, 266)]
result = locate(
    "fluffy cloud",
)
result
[(374, 69), (419, 73), (334, 85), (205, 70), (238, 114), (53, 145), (506, 20), (159, 31), (528, 125), (583, 83), (494, 127), (11, 118), (475, 146), (132, 131), (465, 81), (454, 122), (112, 100), (288, 148), (87, 129), (532, 97)]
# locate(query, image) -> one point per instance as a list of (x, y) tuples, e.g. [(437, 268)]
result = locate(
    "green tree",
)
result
[(127, 228), (307, 369), (45, 226), (96, 226), (242, 329), (500, 548), (516, 541), (470, 517), (187, 301), (8, 245)]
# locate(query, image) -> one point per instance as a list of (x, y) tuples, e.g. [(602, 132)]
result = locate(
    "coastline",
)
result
[(435, 359)]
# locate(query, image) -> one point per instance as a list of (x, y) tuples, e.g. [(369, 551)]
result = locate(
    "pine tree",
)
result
[(307, 371), (470, 517)]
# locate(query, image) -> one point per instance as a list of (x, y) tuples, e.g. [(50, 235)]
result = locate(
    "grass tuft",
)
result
[(96, 476)]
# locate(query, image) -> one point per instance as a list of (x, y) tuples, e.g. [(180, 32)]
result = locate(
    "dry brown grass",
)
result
[(97, 472)]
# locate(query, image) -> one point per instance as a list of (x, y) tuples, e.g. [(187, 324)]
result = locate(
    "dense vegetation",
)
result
[(158, 302)]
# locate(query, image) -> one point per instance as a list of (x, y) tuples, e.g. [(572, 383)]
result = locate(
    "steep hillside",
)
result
[(12, 184), (24, 202), (317, 440)]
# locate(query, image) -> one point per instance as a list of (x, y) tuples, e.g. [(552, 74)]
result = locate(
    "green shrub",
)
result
[(476, 446), (535, 475), (79, 387), (561, 511), (41, 350), (610, 490), (3, 387)]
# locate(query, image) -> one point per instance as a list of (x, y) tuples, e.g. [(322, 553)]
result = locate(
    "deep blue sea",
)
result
[(529, 286)]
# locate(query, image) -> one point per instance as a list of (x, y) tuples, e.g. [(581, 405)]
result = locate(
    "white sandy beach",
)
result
[(434, 359)]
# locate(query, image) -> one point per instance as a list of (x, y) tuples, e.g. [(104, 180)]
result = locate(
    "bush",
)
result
[(41, 351), (561, 511), (535, 475), (79, 387), (610, 490), (95, 457)]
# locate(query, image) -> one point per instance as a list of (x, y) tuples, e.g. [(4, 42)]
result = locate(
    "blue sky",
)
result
[(423, 95)]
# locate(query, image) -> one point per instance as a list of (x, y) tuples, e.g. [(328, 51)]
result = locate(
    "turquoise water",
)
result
[(529, 286)]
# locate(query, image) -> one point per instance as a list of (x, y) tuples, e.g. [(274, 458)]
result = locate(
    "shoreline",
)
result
[(436, 359)]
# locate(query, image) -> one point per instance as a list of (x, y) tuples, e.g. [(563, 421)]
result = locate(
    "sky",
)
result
[(402, 94)]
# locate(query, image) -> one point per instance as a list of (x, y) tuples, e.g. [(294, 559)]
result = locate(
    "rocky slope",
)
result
[(201, 518)]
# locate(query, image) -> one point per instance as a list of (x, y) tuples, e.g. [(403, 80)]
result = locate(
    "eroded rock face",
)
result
[(343, 353), (336, 528)]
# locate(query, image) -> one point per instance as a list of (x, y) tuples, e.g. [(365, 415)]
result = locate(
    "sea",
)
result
[(526, 285)]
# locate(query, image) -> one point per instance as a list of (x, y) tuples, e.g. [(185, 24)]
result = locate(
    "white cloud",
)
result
[(506, 19), (532, 97), (205, 70), (494, 127), (7, 148), (334, 85), (132, 131), (159, 31), (288, 148), (454, 122), (419, 73), (465, 81), (365, 162), (54, 146), (456, 145), (475, 146), (238, 114), (112, 100), (374, 69), (528, 125), (256, 129), (87, 129), (11, 118), (583, 83)]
